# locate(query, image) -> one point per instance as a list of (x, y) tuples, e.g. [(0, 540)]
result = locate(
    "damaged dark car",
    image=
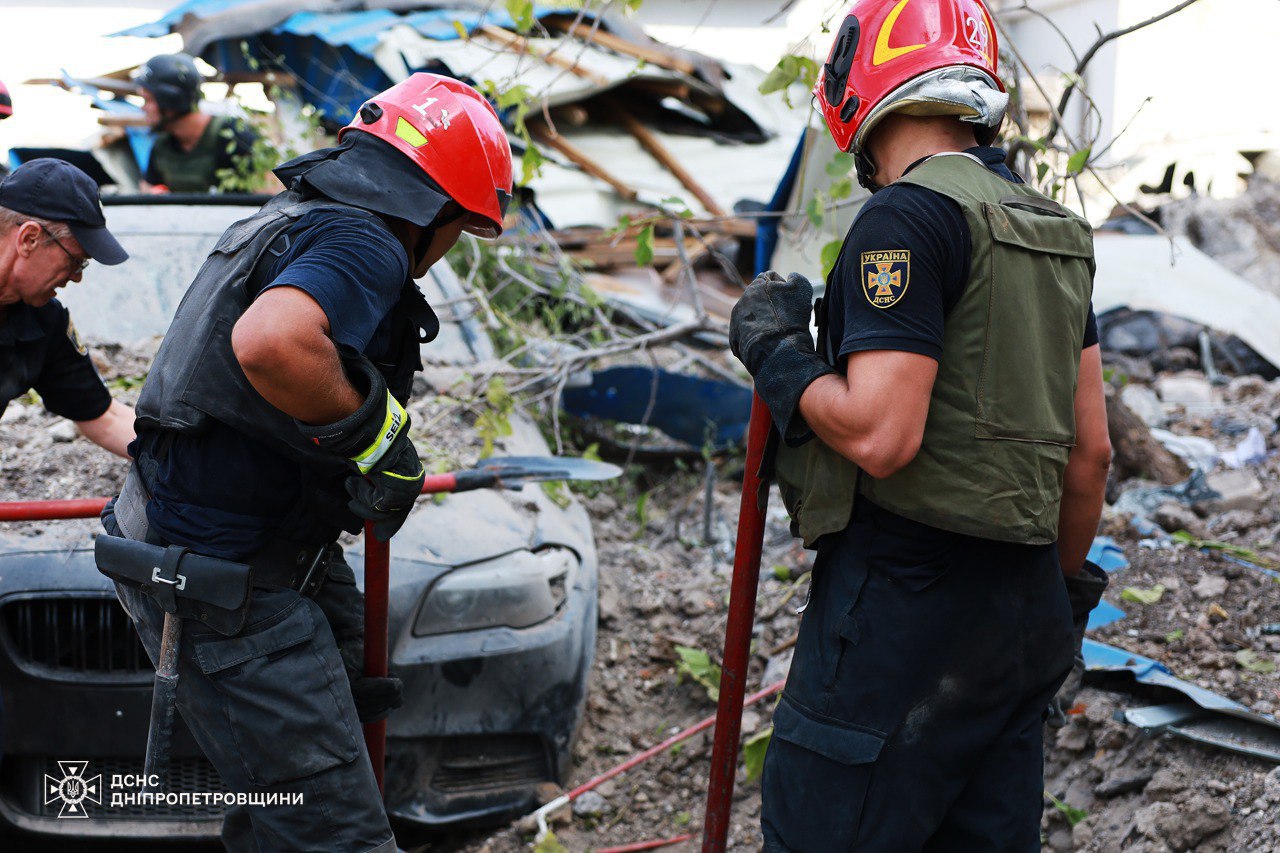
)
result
[(492, 619)]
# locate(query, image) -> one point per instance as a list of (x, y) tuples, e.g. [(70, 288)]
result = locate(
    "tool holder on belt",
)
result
[(205, 589)]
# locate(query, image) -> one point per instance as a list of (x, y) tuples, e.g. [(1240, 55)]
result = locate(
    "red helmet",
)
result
[(885, 45), (6, 103), (452, 133)]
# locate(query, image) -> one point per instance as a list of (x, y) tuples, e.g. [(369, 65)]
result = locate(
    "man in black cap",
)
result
[(51, 226)]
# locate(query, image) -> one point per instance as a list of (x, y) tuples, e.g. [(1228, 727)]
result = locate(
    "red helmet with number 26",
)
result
[(921, 57), (452, 133)]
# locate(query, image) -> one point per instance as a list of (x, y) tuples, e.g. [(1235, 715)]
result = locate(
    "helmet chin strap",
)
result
[(866, 171)]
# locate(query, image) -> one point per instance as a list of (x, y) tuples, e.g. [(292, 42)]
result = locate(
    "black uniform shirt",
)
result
[(932, 228), (40, 350)]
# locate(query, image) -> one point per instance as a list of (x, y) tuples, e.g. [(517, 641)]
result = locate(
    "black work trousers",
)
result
[(912, 716), (272, 709)]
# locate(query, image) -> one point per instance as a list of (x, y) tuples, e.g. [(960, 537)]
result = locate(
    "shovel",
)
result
[(511, 472)]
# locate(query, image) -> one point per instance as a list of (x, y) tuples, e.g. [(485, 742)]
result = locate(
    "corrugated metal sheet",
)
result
[(341, 58)]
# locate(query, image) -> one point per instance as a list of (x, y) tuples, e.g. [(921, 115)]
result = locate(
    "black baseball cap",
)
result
[(55, 190)]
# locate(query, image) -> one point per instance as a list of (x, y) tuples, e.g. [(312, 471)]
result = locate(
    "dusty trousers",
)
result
[(912, 718), (272, 709)]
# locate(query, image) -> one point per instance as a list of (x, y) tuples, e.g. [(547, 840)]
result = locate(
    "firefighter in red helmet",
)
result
[(943, 449), (273, 419), (6, 110)]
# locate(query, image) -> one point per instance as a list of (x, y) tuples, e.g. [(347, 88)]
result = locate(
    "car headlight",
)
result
[(516, 590)]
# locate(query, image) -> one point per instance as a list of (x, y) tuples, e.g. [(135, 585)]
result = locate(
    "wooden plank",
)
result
[(122, 121), (557, 142), (575, 155), (652, 55), (520, 44), (649, 142)]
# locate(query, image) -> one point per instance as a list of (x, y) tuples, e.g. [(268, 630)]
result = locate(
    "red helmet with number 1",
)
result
[(923, 57), (452, 133)]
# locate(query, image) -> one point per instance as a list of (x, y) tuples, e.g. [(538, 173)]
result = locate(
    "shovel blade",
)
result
[(538, 468)]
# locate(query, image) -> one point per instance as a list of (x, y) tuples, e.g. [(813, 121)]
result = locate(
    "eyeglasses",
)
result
[(78, 265)]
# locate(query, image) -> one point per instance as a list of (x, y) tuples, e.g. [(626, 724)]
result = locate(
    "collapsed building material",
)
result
[(1206, 717), (698, 412), (1137, 452)]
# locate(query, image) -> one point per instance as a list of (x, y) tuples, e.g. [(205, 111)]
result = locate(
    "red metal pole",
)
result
[(737, 635), (377, 562), (51, 510)]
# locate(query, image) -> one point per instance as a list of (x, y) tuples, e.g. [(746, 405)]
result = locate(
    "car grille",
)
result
[(24, 785), (495, 761), (81, 635)]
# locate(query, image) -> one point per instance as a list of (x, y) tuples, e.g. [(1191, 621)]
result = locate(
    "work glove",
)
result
[(343, 607), (375, 438), (769, 333), (1084, 591), (376, 697)]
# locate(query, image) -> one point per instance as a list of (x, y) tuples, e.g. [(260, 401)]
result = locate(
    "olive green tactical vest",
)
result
[(1001, 418), (193, 171)]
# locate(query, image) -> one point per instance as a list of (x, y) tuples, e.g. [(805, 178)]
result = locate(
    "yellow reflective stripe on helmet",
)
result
[(392, 423)]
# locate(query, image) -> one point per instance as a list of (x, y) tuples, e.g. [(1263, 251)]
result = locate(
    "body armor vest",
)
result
[(196, 376), (1001, 417)]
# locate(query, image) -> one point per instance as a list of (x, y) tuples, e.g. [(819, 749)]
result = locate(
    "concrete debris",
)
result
[(1237, 489), (1185, 389), (1145, 403), (1210, 586), (1242, 233)]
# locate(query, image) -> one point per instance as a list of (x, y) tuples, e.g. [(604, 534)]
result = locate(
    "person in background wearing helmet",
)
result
[(51, 225), (273, 419), (944, 450), (190, 146)]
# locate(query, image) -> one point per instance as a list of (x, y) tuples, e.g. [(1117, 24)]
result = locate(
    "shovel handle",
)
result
[(737, 639), (164, 701)]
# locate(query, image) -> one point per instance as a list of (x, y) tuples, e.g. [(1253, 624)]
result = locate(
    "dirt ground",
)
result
[(665, 567)]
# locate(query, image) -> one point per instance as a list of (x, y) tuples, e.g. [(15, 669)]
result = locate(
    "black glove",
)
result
[(343, 607), (376, 697), (769, 333), (376, 439), (1084, 591)]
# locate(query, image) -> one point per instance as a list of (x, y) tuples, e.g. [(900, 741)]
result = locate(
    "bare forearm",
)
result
[(1084, 486), (112, 430)]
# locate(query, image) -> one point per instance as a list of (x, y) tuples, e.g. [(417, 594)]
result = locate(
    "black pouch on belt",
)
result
[(205, 589)]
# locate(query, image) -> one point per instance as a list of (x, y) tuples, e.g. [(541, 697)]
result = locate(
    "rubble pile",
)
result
[(43, 457), (1204, 541), (1241, 233)]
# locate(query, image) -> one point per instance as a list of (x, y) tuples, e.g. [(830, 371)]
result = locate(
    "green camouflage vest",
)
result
[(1002, 415), (193, 171)]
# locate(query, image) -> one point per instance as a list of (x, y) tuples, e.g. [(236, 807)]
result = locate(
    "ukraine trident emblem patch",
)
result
[(886, 275)]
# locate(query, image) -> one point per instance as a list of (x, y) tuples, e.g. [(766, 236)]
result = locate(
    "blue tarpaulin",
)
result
[(686, 408), (329, 54)]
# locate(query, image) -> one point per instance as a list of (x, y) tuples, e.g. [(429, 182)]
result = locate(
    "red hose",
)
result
[(737, 636), (377, 562), (51, 510), (641, 757), (644, 845)]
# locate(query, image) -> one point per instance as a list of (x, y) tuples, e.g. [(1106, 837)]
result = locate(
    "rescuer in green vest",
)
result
[(192, 151), (944, 450)]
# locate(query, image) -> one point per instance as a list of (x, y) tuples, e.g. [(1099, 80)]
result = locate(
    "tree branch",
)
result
[(1093, 50)]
